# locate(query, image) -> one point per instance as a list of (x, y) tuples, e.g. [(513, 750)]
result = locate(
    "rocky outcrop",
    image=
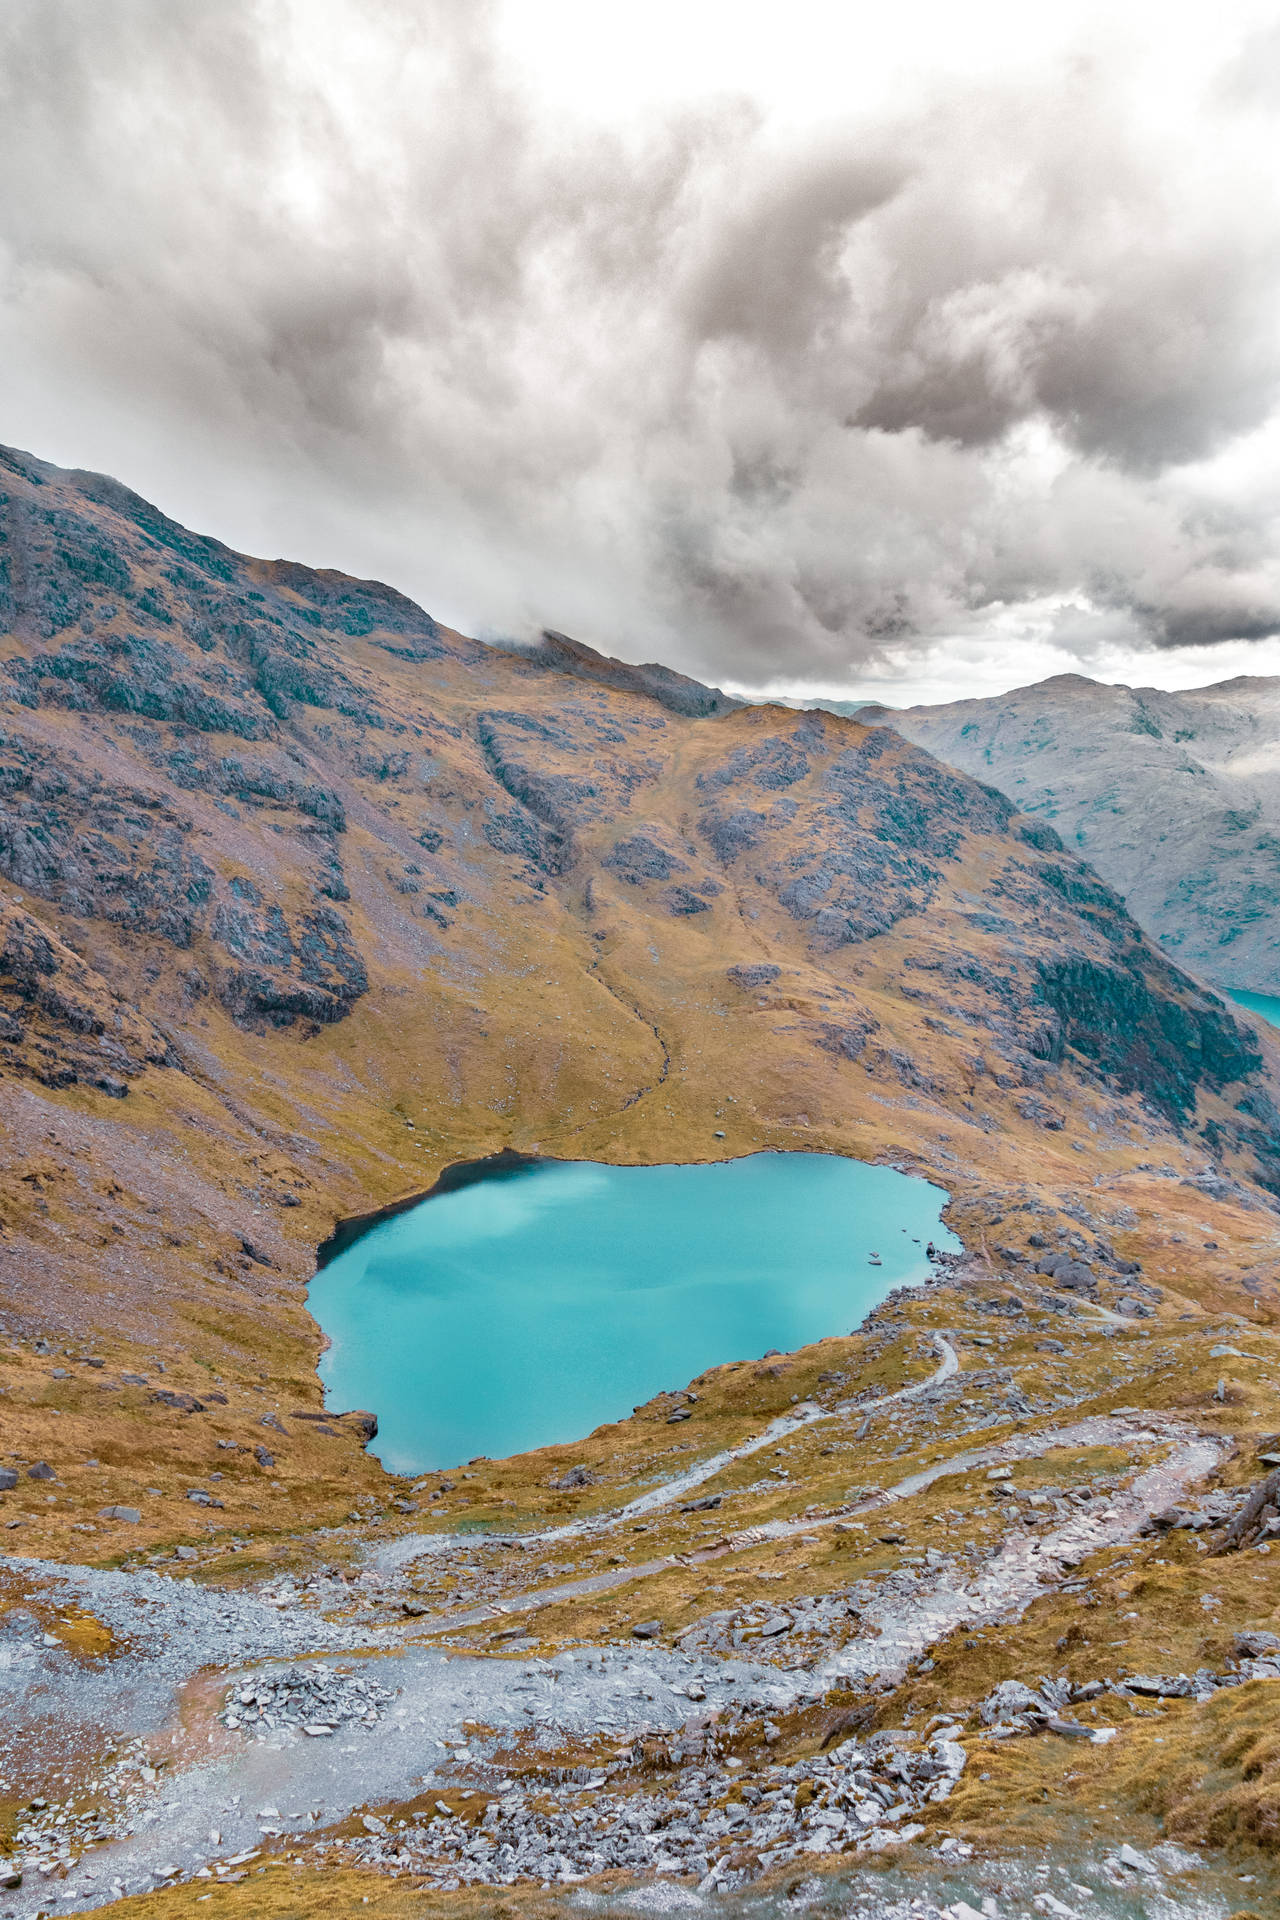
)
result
[(125, 855), (1145, 1030), (280, 970), (60, 1022), (670, 689), (872, 841)]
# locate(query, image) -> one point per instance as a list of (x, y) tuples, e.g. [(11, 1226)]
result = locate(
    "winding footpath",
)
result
[(417, 1546), (226, 1791)]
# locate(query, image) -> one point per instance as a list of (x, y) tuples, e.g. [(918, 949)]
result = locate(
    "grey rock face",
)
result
[(1173, 797), (762, 974)]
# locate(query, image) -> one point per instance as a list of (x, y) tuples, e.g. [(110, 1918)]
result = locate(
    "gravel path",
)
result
[(221, 1808), (1016, 1577), (417, 1546), (285, 1781), (1024, 1567), (235, 1784)]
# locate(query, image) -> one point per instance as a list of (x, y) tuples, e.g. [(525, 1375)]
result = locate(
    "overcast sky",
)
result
[(901, 350)]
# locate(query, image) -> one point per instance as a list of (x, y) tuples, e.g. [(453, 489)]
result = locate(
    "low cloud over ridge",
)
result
[(768, 407)]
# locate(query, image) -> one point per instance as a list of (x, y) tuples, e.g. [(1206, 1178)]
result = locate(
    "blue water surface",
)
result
[(1264, 1003), (532, 1305)]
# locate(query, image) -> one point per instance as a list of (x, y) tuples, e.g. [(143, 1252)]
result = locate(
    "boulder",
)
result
[(749, 978), (1251, 1520), (572, 1477), (179, 1402), (1161, 1685), (1065, 1271), (1252, 1645), (1008, 1700)]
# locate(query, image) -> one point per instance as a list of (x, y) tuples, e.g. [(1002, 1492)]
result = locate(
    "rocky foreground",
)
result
[(342, 1721)]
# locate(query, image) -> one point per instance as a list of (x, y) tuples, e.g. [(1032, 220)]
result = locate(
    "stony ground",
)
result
[(726, 1702)]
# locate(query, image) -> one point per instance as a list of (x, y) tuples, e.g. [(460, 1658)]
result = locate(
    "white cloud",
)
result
[(762, 342)]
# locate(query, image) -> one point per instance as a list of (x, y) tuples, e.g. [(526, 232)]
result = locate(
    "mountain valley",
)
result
[(305, 899)]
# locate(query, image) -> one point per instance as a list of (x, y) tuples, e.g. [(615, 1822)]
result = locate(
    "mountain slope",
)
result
[(304, 897), (1173, 797)]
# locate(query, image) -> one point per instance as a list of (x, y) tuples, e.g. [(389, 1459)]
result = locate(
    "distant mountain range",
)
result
[(1174, 799)]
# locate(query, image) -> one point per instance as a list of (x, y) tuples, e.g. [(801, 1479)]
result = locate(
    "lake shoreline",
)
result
[(568, 1292), (457, 1174), (351, 1227)]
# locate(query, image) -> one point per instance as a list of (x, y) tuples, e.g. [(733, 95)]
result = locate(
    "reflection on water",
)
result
[(526, 1308)]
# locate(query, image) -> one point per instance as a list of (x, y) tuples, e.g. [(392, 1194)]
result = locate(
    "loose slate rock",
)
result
[(1252, 1645)]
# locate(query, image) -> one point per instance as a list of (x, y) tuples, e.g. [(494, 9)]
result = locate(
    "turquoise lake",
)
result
[(1264, 1003), (529, 1304)]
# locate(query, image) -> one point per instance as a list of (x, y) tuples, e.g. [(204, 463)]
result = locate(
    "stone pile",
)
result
[(1215, 1510), (313, 1700), (859, 1799)]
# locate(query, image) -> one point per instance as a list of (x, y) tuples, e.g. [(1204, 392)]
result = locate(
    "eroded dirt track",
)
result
[(169, 1633)]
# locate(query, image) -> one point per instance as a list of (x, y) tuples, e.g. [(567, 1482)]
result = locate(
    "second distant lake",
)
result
[(1264, 1003), (527, 1304)]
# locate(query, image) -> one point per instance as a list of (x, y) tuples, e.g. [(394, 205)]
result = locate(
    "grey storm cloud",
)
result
[(332, 278)]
